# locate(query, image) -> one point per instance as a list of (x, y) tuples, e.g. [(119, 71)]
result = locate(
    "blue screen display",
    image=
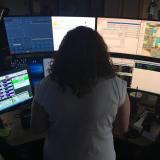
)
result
[(34, 65), (29, 34)]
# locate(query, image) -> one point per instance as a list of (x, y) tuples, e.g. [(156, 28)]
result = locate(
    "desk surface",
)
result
[(140, 141), (18, 134)]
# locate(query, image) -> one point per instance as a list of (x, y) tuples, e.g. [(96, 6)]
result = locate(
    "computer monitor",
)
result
[(46, 65), (29, 34), (120, 35), (34, 65), (61, 25), (149, 39), (124, 68), (146, 77), (15, 88)]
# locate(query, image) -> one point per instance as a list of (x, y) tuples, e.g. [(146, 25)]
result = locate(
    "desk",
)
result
[(18, 134), (139, 141)]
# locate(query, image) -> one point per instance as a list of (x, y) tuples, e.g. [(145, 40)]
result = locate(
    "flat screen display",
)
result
[(15, 88), (61, 25), (34, 66), (120, 35), (29, 34), (146, 77)]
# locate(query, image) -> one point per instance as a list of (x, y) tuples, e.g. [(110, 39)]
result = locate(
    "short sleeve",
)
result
[(40, 94), (123, 93), (122, 90), (37, 95)]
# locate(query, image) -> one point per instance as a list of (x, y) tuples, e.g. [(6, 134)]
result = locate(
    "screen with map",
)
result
[(149, 39)]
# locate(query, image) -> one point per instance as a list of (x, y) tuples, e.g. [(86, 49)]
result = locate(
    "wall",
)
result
[(136, 9), (109, 8), (17, 7), (112, 8)]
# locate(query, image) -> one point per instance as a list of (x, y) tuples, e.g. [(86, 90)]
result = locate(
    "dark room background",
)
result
[(107, 8)]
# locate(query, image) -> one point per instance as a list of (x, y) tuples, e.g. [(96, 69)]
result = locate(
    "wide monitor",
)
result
[(149, 39), (29, 34), (61, 25), (15, 88), (47, 62), (146, 77), (120, 35), (34, 65)]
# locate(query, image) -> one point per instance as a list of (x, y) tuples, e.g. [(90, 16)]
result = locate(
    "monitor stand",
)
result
[(4, 131), (25, 118), (1, 124)]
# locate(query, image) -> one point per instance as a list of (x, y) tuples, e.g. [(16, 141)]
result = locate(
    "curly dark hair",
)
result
[(81, 61)]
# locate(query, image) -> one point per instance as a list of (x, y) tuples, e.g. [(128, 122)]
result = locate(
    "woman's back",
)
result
[(81, 128), (77, 104)]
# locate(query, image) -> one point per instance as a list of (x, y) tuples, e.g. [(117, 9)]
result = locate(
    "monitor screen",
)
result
[(61, 25), (46, 65), (15, 88), (29, 34), (146, 77), (34, 65), (124, 68), (149, 39), (120, 35)]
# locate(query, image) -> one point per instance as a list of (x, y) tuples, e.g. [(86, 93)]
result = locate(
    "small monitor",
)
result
[(146, 80), (124, 68), (149, 40), (61, 25), (15, 88), (47, 62), (29, 34), (34, 66), (120, 35)]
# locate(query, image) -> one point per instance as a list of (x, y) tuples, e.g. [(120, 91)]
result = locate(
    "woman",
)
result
[(78, 102)]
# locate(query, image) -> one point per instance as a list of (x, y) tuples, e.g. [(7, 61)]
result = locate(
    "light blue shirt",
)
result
[(81, 128)]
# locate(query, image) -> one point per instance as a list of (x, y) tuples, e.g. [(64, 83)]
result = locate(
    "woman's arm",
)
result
[(122, 119), (39, 118)]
